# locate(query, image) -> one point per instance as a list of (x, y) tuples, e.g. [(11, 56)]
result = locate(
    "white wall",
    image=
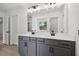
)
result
[(72, 19), (73, 23)]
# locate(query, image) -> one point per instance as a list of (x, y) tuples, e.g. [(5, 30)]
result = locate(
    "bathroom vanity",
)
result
[(35, 45)]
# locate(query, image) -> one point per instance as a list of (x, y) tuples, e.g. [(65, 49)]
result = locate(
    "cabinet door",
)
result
[(23, 48), (42, 50), (31, 49)]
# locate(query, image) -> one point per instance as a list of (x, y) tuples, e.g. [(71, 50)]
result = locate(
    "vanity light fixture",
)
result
[(41, 7)]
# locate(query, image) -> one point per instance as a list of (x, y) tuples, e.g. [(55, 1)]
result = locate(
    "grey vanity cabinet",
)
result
[(42, 49), (61, 47), (58, 51), (23, 45), (23, 48), (32, 47), (27, 46), (49, 47)]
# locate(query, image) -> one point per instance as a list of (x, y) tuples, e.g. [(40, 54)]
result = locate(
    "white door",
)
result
[(6, 30), (14, 29)]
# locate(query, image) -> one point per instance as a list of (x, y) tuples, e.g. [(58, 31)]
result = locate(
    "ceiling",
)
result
[(14, 6)]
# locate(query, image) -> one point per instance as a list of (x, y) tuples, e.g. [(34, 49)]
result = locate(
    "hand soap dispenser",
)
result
[(33, 31), (52, 33)]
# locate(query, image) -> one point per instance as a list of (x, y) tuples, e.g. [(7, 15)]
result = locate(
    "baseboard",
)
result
[(14, 44), (8, 45)]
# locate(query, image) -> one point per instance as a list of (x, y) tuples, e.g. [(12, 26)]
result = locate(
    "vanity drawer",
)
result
[(23, 38), (32, 39), (40, 40), (66, 43), (51, 42)]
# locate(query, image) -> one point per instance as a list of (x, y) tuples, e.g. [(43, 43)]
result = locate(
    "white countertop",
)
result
[(59, 36)]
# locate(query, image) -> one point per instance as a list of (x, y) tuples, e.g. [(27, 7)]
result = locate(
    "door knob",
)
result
[(25, 43), (51, 50), (78, 32), (7, 31)]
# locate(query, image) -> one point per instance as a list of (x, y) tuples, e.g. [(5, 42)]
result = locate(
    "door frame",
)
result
[(9, 28), (2, 28)]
